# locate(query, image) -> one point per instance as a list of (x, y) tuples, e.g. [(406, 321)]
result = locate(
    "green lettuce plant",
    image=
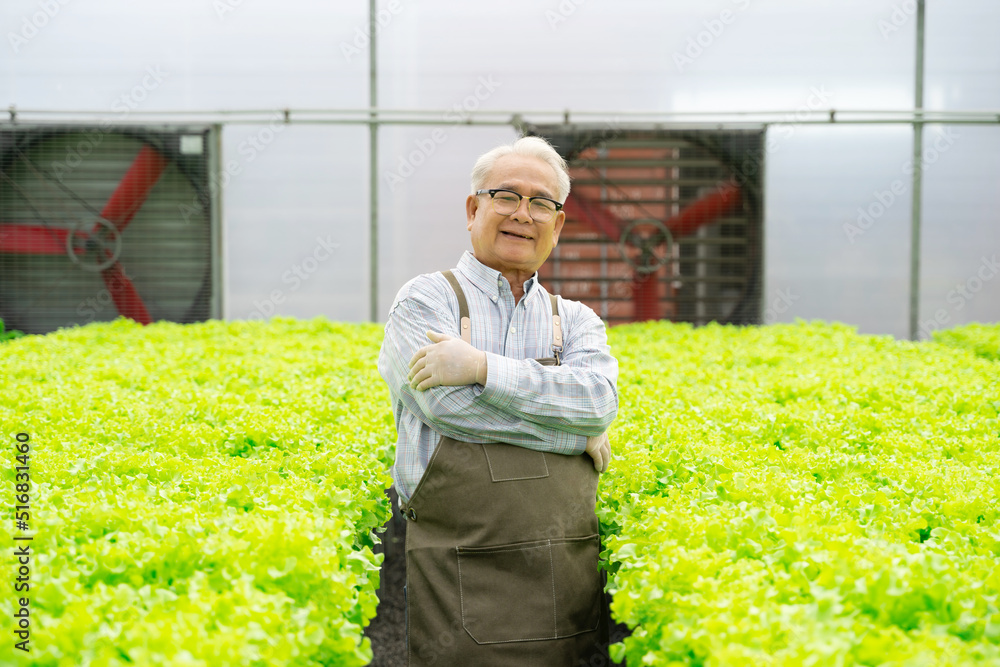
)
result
[(202, 494), (785, 495), (981, 339), (803, 495)]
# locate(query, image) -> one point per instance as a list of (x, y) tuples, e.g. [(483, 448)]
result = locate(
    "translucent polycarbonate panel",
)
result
[(451, 58), (423, 193), (121, 57), (836, 231), (962, 68), (960, 274), (297, 226), (646, 55)]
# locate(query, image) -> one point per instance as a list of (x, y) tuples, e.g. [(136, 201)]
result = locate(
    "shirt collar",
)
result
[(488, 280)]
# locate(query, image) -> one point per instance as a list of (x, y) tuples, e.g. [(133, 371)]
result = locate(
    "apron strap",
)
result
[(463, 306), (557, 347), (463, 313)]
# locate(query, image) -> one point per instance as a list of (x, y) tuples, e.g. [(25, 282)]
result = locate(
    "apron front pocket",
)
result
[(530, 591), (510, 463)]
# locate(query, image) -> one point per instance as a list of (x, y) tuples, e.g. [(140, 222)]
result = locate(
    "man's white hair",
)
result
[(535, 147)]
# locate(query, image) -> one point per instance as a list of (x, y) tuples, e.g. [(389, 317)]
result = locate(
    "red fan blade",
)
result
[(134, 187), (705, 210), (121, 207), (597, 216), (124, 294), (645, 295), (34, 240), (696, 214)]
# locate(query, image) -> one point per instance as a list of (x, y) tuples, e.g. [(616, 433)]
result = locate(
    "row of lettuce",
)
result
[(786, 495), (202, 495), (803, 495)]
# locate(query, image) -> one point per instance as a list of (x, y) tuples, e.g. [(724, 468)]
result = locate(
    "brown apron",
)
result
[(502, 549)]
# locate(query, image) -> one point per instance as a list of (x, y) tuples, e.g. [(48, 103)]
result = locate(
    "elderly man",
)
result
[(502, 395)]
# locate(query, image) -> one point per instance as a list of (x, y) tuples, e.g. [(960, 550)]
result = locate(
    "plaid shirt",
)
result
[(546, 408)]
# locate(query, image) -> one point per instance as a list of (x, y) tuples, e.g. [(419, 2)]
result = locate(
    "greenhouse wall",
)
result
[(837, 196)]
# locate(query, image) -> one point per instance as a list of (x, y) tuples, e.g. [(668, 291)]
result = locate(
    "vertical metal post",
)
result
[(217, 304), (373, 161), (918, 177)]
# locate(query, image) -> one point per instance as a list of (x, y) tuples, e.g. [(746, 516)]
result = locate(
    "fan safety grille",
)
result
[(99, 222), (661, 224)]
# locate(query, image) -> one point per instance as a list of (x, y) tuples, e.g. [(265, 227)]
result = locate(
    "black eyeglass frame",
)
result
[(493, 191)]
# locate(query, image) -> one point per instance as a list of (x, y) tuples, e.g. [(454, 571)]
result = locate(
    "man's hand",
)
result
[(448, 361), (599, 448)]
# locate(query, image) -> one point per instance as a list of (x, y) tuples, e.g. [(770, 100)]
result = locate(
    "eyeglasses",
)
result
[(505, 202)]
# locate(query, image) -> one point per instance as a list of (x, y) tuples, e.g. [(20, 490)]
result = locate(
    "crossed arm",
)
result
[(477, 396)]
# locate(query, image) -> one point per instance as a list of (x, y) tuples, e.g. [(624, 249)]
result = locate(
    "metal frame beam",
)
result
[(918, 178), (587, 119)]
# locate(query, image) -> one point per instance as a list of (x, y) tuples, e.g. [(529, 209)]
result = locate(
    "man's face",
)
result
[(514, 242)]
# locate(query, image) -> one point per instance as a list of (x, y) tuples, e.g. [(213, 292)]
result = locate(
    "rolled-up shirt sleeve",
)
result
[(458, 412)]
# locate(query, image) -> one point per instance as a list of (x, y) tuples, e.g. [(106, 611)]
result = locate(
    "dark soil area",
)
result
[(387, 630)]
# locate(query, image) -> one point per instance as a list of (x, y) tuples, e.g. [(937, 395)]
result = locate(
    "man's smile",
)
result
[(515, 235)]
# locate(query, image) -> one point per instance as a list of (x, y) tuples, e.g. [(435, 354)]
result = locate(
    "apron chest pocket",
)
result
[(510, 463), (530, 591)]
